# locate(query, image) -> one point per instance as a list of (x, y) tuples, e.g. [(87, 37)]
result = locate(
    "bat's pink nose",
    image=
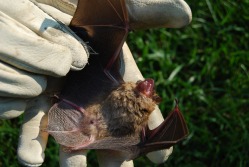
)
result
[(146, 87)]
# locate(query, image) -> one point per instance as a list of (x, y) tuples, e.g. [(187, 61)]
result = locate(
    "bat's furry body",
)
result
[(123, 112), (126, 110), (97, 109)]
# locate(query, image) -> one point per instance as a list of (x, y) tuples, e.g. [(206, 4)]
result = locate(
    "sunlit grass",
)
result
[(205, 66)]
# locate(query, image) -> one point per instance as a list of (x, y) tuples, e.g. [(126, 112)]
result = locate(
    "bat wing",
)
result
[(167, 134), (104, 24), (65, 125), (122, 144)]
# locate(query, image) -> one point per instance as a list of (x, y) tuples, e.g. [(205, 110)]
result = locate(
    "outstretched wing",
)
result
[(65, 125), (104, 24), (170, 132)]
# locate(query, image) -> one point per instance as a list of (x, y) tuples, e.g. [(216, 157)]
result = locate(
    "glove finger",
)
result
[(11, 107), (17, 83), (143, 13), (160, 156), (57, 14), (73, 159), (130, 72), (159, 13), (129, 69), (27, 51), (112, 159), (32, 141), (32, 17), (66, 6)]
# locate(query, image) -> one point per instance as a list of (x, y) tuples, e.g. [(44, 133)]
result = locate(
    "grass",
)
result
[(205, 66)]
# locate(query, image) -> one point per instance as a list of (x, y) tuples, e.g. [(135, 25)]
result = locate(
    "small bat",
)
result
[(96, 108)]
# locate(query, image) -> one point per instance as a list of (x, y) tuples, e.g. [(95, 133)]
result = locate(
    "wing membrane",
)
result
[(99, 12), (106, 24), (170, 132), (64, 124)]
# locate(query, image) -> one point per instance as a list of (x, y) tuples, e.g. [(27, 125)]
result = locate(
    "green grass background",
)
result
[(204, 65)]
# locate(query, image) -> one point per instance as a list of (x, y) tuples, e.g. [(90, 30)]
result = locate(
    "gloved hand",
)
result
[(33, 45)]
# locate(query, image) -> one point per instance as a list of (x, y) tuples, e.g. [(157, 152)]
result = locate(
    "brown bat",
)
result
[(96, 108)]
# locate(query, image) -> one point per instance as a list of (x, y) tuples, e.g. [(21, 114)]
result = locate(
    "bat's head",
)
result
[(146, 88)]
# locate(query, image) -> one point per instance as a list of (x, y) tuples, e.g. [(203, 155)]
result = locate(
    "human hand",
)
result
[(25, 69), (33, 46)]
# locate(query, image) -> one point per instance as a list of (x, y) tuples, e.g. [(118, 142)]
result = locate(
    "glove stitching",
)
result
[(28, 164), (64, 6)]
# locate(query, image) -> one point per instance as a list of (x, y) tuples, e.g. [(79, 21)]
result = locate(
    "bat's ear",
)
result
[(146, 87)]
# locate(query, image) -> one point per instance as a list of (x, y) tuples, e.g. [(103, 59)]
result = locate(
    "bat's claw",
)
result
[(176, 101)]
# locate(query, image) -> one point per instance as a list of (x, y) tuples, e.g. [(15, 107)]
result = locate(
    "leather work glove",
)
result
[(35, 48)]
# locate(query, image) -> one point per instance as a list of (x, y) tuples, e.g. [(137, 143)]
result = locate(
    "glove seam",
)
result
[(28, 164), (64, 6)]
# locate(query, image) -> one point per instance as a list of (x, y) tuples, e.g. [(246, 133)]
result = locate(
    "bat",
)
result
[(96, 109)]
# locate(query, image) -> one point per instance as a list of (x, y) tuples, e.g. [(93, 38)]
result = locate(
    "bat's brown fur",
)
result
[(124, 112), (116, 122)]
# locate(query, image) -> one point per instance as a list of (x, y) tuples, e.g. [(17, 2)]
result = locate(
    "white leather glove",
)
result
[(33, 45)]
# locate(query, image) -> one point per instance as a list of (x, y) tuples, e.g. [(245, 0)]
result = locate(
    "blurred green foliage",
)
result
[(205, 65)]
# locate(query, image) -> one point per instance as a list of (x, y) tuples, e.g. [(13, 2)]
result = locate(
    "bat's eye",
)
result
[(145, 111), (157, 99), (146, 87)]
